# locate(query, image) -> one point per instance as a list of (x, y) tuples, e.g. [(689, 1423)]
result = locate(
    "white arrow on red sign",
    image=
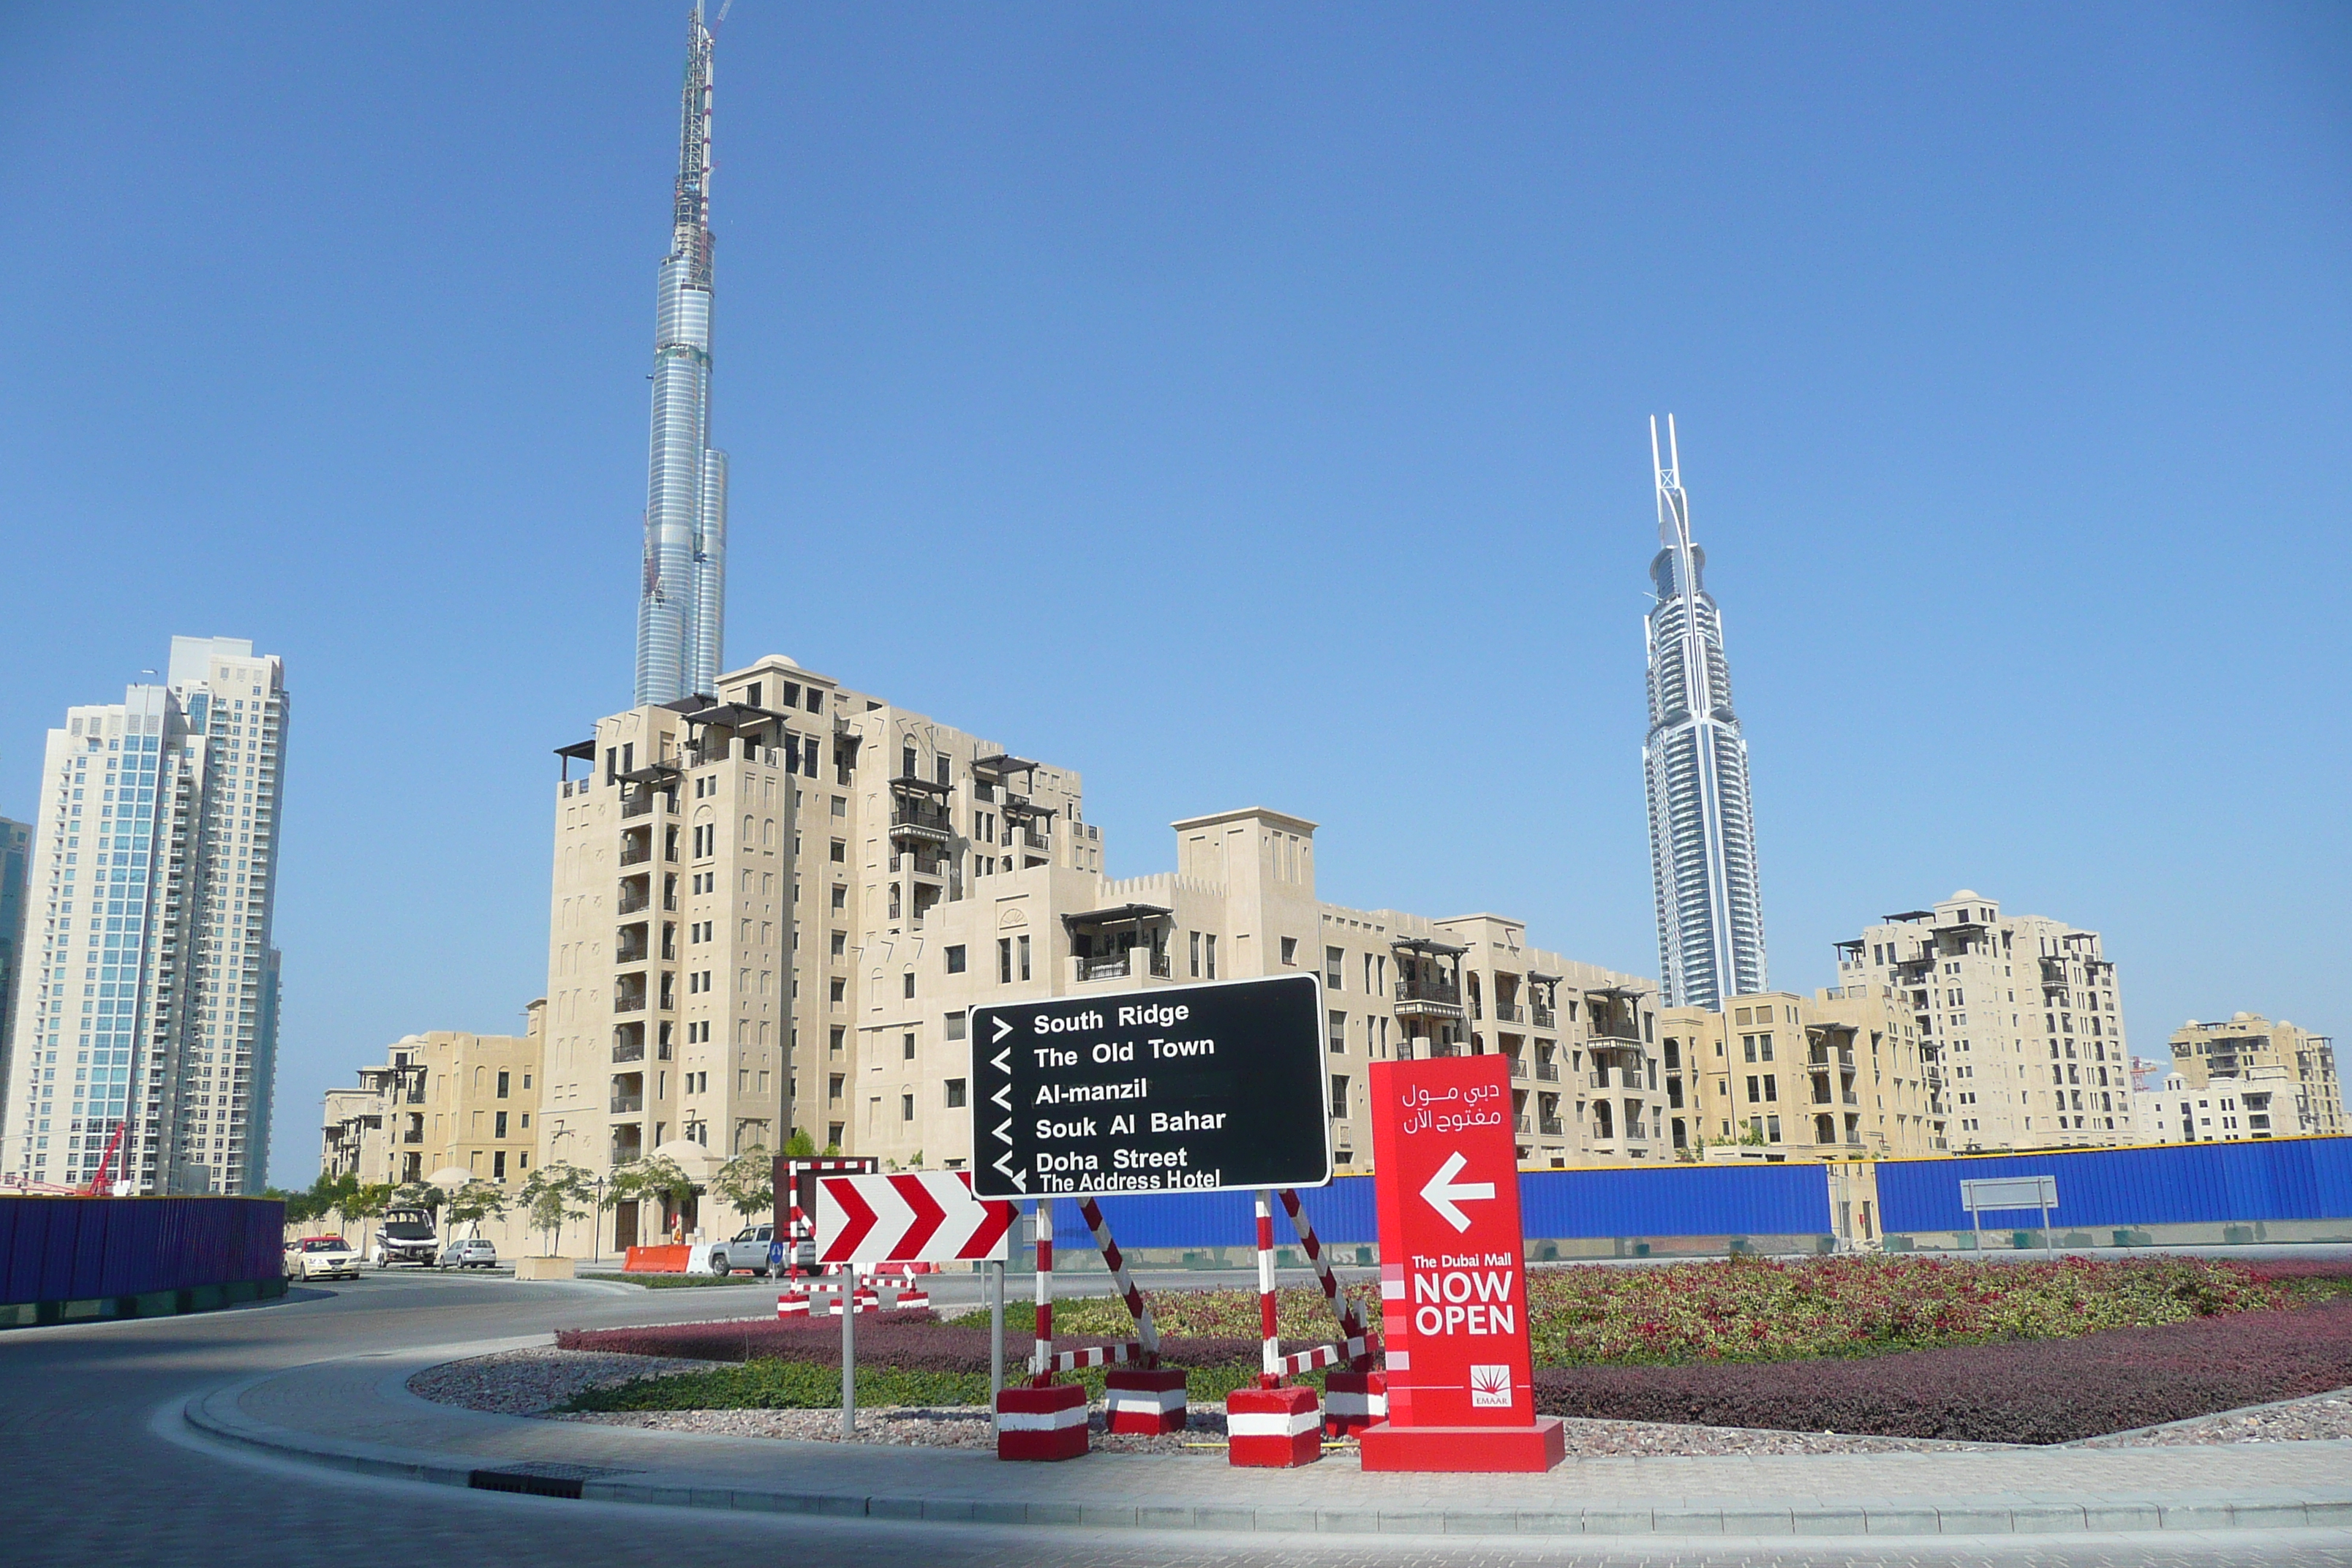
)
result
[(914, 1216), (1447, 1195)]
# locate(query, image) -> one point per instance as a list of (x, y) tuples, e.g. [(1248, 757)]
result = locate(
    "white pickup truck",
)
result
[(749, 1249)]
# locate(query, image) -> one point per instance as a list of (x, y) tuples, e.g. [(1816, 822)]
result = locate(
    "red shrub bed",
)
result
[(2283, 1270), (2044, 1391), (913, 1340)]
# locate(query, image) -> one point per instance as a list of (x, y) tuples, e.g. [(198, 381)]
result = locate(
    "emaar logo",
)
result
[(1490, 1385)]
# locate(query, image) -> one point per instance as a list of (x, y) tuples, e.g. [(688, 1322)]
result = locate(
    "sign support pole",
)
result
[(1270, 1352), (848, 1349), (1041, 1362), (995, 1340)]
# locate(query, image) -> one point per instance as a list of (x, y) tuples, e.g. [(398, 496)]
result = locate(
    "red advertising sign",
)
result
[(1453, 1292)]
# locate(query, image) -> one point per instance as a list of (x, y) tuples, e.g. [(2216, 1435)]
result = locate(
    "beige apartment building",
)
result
[(441, 1103), (773, 910), (2017, 1018), (2250, 1046), (1836, 1075), (2263, 1102)]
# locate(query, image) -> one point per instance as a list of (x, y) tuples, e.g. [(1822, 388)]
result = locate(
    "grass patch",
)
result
[(680, 1281), (771, 1385)]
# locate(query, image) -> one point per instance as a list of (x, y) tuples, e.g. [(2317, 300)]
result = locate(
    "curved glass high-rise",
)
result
[(681, 606), (1702, 831)]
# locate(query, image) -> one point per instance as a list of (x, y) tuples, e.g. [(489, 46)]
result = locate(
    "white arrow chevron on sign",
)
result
[(1445, 1194), (909, 1216), (1004, 1025)]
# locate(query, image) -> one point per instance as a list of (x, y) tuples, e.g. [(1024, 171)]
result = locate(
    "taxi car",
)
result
[(323, 1257)]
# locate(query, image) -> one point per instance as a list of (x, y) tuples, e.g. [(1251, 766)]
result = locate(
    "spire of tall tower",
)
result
[(681, 609), (1702, 831)]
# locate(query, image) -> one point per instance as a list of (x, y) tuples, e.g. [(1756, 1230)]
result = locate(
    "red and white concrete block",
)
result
[(1048, 1423), (1145, 1401), (1353, 1401), (1273, 1428)]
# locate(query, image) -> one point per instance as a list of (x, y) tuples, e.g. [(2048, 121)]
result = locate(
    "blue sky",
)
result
[(1239, 404)]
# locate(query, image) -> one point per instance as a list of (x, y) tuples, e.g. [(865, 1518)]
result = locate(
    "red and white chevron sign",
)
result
[(915, 1217)]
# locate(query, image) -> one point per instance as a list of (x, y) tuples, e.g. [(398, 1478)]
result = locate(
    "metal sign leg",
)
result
[(849, 1349), (995, 1339)]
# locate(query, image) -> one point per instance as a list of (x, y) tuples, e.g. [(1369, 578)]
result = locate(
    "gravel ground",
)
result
[(2316, 1419), (525, 1382), (532, 1381), (1204, 1437)]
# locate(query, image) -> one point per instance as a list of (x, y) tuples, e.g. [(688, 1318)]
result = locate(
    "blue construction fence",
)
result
[(2287, 1190), (65, 1257), (1723, 1204)]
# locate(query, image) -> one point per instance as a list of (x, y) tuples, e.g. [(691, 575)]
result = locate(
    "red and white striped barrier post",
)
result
[(1356, 1397), (793, 1304), (1271, 1426), (1046, 1420), (1147, 1399)]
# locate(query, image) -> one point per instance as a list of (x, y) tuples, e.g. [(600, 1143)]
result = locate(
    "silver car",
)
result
[(473, 1252)]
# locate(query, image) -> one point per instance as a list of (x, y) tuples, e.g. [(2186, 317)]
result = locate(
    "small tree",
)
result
[(556, 1193), (476, 1202), (748, 1182), (363, 1203), (419, 1195), (327, 1194), (654, 1176), (800, 1145)]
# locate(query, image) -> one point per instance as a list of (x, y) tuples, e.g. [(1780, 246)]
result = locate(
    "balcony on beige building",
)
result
[(629, 992)]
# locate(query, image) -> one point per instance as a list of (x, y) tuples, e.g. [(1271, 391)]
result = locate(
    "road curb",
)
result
[(217, 1414)]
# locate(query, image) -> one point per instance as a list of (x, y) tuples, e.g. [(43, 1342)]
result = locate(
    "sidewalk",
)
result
[(357, 1414)]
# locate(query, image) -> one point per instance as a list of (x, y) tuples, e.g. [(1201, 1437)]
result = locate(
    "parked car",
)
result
[(749, 1249), (322, 1257), (472, 1252), (407, 1237)]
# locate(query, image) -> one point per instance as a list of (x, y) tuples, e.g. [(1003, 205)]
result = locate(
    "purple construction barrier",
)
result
[(82, 1250)]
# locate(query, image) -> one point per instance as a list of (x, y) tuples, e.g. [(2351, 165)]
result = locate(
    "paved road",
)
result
[(99, 1470)]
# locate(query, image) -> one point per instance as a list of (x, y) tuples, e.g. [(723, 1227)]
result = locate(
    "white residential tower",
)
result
[(146, 1022)]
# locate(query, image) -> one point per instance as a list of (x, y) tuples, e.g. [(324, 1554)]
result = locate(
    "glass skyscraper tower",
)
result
[(1701, 832), (681, 605), (145, 1045)]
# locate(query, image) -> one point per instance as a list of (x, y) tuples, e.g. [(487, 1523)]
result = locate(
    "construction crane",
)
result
[(101, 1185)]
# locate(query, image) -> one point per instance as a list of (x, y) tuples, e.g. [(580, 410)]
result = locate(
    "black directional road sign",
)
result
[(1175, 1088)]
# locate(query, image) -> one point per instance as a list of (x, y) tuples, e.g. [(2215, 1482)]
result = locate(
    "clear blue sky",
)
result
[(1238, 405)]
